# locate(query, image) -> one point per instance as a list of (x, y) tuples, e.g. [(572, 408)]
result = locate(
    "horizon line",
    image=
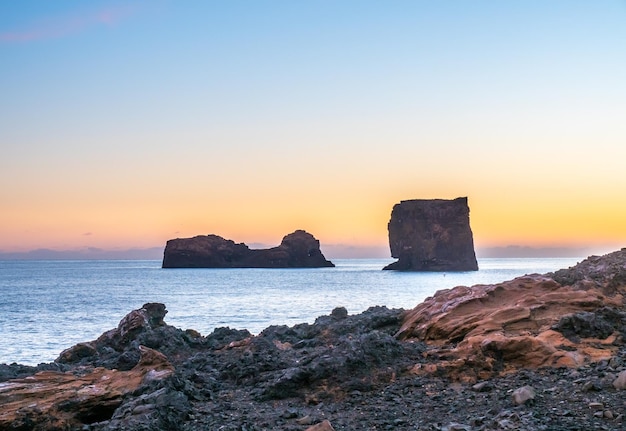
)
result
[(332, 251)]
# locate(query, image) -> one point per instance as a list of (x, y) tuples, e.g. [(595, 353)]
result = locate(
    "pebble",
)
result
[(482, 387), (290, 414), (523, 395), (590, 385), (322, 426), (620, 382), (306, 420), (453, 426)]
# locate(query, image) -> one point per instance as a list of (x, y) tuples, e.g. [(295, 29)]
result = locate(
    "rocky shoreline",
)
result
[(542, 352)]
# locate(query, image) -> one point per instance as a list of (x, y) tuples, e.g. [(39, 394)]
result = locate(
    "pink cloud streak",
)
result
[(64, 26)]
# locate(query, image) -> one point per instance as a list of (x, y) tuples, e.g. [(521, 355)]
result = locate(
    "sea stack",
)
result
[(431, 235), (299, 249)]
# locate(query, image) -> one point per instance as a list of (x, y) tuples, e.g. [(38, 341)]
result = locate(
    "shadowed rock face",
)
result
[(299, 249), (431, 235)]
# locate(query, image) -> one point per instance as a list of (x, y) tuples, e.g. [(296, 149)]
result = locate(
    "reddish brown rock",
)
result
[(55, 400), (299, 249), (353, 368), (530, 321)]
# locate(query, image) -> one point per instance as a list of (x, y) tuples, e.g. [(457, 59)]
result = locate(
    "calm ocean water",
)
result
[(47, 306)]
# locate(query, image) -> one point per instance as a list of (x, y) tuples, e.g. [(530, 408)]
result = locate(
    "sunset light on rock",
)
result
[(312, 215)]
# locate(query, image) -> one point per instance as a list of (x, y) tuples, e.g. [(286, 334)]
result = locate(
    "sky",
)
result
[(125, 124)]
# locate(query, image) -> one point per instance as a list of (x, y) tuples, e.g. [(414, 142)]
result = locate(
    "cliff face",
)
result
[(299, 249), (431, 235)]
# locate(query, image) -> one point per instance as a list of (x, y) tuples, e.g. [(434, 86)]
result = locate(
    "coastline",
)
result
[(50, 305), (350, 370)]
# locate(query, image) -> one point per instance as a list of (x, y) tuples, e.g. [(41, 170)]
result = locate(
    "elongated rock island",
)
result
[(457, 361), (431, 235), (299, 249)]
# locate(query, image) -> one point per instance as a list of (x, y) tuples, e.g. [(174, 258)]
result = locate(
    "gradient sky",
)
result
[(124, 124)]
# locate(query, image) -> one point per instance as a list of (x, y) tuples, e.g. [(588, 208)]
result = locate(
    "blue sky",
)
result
[(128, 123)]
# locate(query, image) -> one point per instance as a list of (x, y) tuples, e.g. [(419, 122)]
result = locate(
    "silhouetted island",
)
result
[(431, 235), (540, 352), (299, 249)]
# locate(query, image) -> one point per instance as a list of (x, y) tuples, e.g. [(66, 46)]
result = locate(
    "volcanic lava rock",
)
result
[(53, 400), (531, 321), (211, 381), (431, 235), (118, 347), (299, 249), (459, 361)]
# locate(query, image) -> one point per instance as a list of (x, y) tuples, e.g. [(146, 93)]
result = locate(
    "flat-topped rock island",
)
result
[(536, 353), (431, 235)]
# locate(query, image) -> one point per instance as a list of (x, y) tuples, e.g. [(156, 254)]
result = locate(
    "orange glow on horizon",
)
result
[(238, 135), (341, 223)]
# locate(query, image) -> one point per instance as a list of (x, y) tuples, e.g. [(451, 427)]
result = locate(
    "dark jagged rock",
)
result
[(119, 347), (299, 249), (18, 371), (599, 324), (468, 350), (175, 378), (605, 273), (431, 235)]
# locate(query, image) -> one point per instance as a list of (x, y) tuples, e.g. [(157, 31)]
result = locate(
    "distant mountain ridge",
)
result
[(333, 251), (91, 253), (518, 251)]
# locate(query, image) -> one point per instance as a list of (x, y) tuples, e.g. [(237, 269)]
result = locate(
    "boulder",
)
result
[(299, 249), (531, 321), (380, 369), (431, 235), (620, 382), (523, 395), (57, 400), (117, 348)]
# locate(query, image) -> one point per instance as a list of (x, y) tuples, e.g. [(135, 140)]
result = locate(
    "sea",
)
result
[(47, 306)]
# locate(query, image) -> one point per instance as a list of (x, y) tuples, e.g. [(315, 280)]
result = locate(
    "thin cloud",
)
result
[(67, 25)]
